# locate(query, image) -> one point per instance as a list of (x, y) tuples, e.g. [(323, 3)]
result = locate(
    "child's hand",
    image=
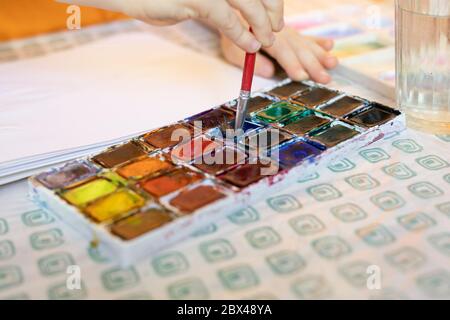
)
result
[(300, 56), (264, 16)]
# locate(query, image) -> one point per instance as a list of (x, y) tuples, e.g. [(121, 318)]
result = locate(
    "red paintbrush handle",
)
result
[(249, 69)]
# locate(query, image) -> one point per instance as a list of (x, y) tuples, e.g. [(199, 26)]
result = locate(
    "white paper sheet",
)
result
[(115, 87)]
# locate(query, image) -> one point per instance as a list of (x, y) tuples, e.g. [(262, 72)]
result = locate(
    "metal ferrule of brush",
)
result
[(241, 113)]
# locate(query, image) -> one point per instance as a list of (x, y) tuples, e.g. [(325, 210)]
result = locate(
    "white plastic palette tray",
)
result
[(235, 197)]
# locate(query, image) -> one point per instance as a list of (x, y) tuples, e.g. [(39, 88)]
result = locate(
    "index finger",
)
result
[(275, 11), (257, 17), (224, 17)]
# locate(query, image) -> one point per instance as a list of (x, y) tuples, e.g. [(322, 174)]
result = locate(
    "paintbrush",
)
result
[(246, 88)]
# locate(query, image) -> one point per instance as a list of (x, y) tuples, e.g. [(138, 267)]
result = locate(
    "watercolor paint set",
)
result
[(372, 69), (156, 189), (364, 36), (360, 45), (352, 40)]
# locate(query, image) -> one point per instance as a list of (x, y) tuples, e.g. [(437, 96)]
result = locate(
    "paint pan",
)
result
[(145, 167), (333, 135), (248, 126), (217, 162), (248, 174), (278, 111), (67, 175), (285, 91), (114, 205), (306, 122), (342, 107), (170, 182), (169, 136), (195, 149), (89, 191), (374, 115), (257, 103), (262, 143), (292, 154), (211, 119), (193, 199), (315, 97), (227, 131), (120, 154), (141, 223)]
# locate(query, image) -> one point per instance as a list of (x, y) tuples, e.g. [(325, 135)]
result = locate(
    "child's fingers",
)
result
[(234, 55), (264, 67), (255, 14), (287, 58), (311, 63), (221, 15), (275, 10), (299, 56), (326, 59), (326, 44)]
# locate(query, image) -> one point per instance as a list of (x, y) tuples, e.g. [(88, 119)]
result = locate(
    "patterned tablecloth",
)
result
[(384, 210)]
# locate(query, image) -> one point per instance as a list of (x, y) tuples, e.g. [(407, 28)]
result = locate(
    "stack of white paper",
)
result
[(76, 102)]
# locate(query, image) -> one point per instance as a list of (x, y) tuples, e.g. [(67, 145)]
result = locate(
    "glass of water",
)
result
[(423, 63)]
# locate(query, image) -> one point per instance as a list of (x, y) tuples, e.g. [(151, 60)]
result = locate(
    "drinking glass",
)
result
[(423, 63)]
